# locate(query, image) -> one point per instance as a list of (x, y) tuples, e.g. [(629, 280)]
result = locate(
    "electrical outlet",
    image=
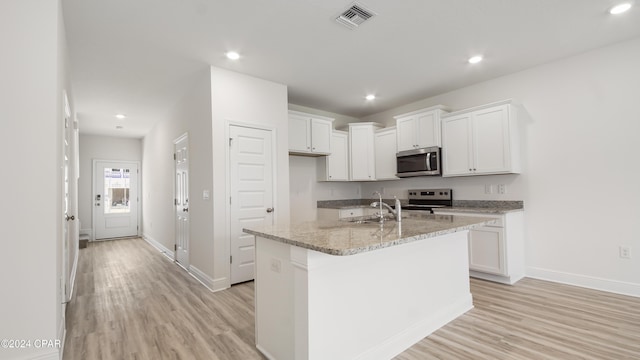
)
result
[(625, 252), (502, 189), (488, 189)]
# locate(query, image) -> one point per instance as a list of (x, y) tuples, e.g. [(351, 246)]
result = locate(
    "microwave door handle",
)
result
[(429, 161)]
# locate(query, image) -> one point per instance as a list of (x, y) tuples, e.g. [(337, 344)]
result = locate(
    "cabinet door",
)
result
[(320, 136), (385, 155), (491, 140), (456, 145), (486, 250), (406, 133), (299, 134), (428, 129), (361, 154), (338, 161)]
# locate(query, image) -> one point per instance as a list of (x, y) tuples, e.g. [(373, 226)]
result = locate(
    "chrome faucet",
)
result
[(396, 213)]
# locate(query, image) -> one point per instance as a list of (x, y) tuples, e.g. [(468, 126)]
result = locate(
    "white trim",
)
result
[(93, 193), (590, 282), (62, 335), (72, 276), (265, 352), (208, 282), (425, 327), (166, 252)]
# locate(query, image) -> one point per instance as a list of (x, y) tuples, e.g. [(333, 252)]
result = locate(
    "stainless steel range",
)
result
[(428, 199)]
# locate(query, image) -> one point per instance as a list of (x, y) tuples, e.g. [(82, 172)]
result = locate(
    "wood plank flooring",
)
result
[(130, 302)]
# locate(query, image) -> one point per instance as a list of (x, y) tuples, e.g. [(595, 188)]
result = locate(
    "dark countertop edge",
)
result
[(477, 210), (359, 250)]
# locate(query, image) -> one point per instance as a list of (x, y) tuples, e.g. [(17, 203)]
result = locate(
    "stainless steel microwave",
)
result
[(419, 162)]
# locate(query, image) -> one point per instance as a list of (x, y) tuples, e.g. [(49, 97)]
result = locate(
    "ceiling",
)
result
[(139, 57)]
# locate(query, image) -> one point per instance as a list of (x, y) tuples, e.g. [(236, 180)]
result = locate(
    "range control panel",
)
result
[(431, 194)]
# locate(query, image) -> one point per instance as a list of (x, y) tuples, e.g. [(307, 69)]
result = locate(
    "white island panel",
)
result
[(372, 305)]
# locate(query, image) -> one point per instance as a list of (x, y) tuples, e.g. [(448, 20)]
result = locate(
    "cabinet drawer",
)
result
[(346, 213)]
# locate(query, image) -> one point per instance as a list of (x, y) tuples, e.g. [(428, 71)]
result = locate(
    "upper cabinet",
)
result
[(335, 167), (419, 129), (385, 154), (481, 141), (362, 151), (309, 134)]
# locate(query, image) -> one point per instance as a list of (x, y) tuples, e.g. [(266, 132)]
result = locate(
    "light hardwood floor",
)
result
[(130, 302)]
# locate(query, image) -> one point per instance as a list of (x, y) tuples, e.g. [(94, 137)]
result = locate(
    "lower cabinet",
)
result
[(496, 251)]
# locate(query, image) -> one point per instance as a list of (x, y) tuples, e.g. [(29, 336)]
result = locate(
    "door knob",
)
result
[(67, 217), (270, 210), (185, 209)]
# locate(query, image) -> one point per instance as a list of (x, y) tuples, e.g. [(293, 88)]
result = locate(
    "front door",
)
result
[(181, 152), (251, 180), (115, 199)]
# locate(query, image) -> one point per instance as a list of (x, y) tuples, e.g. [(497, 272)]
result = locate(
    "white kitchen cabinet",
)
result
[(385, 154), (496, 251), (335, 167), (309, 134), (419, 129), (362, 151), (481, 141)]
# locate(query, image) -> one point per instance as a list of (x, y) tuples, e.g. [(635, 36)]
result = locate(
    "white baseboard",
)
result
[(613, 286), (407, 338), (168, 253), (203, 278)]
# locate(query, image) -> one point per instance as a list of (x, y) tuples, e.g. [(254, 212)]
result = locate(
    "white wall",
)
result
[(244, 99), (33, 70), (580, 180), (305, 190), (192, 115), (94, 147)]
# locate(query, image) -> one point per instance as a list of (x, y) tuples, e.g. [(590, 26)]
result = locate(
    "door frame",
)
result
[(93, 193), (274, 172)]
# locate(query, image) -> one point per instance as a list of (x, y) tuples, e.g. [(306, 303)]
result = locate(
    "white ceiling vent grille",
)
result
[(355, 15)]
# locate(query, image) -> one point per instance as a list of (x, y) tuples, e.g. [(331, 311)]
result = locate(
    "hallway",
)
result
[(130, 302)]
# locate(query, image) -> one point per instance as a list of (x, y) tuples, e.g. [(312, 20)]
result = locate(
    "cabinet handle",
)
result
[(314, 148)]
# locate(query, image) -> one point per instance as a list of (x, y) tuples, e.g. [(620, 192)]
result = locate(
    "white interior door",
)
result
[(115, 199), (251, 185), (69, 232), (181, 152)]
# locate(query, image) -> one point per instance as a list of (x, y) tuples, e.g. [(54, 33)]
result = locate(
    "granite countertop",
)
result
[(460, 206), (343, 237)]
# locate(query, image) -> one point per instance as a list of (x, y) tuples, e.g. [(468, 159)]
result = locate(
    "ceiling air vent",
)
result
[(355, 15)]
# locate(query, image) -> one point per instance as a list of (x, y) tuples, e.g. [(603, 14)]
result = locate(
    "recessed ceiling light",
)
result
[(370, 97), (119, 127), (619, 9), (475, 59), (121, 116), (233, 55)]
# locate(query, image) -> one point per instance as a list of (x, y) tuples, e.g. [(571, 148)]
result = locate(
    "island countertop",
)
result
[(346, 237)]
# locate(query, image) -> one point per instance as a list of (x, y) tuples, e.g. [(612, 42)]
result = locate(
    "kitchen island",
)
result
[(349, 290)]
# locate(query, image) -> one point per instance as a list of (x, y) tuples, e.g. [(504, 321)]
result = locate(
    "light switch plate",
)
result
[(206, 195)]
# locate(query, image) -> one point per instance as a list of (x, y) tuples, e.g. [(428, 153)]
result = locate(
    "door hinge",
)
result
[(229, 200), (175, 247), (231, 259), (175, 201), (174, 156), (230, 139)]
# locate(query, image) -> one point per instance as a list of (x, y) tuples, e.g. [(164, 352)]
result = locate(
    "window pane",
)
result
[(116, 191)]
